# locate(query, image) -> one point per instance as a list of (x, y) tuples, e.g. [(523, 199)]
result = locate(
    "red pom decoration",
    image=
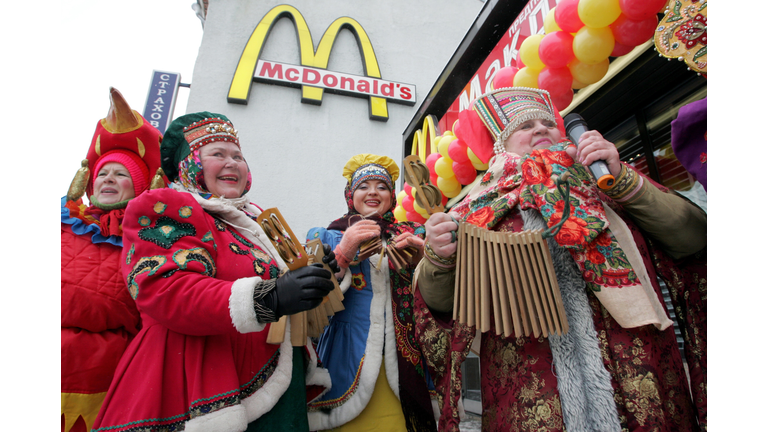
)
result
[(476, 135)]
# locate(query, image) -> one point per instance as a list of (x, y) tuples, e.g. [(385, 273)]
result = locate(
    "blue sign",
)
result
[(161, 99)]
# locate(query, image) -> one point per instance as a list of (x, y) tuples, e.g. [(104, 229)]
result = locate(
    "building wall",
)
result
[(296, 151)]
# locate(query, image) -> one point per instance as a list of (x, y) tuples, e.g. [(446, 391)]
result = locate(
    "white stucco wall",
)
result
[(296, 151)]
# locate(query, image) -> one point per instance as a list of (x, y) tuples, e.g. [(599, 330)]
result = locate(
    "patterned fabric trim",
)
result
[(263, 313), (628, 184), (73, 214), (335, 403)]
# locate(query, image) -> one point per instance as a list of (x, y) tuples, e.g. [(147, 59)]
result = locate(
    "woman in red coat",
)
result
[(208, 282), (98, 316)]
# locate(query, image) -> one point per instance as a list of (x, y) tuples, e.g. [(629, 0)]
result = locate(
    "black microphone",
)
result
[(575, 126)]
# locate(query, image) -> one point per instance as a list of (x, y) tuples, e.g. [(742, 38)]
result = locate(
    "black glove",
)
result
[(299, 290), (330, 258)]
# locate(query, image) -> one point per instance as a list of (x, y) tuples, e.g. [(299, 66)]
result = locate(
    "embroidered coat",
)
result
[(201, 361), (98, 316), (378, 318), (599, 376)]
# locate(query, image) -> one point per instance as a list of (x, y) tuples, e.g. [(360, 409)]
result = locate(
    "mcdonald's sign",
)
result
[(312, 75)]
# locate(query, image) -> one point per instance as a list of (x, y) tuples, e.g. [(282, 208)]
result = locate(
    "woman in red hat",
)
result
[(98, 316)]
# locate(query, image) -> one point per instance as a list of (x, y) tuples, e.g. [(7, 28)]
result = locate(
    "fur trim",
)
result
[(346, 281), (224, 420), (267, 396), (241, 305), (390, 339), (319, 420), (584, 384), (316, 375)]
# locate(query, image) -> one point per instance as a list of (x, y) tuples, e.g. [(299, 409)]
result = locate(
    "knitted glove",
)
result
[(411, 241), (355, 235)]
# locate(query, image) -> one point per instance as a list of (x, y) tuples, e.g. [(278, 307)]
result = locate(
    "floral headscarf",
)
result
[(192, 178)]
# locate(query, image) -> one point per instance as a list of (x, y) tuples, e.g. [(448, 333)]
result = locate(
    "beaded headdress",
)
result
[(366, 166), (503, 110), (190, 132)]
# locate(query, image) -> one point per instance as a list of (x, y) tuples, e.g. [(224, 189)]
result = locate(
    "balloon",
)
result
[(449, 187), (633, 33), (419, 209), (562, 100), (433, 178), (588, 73), (476, 162), (578, 84), (443, 168), (503, 77), (400, 214), (620, 50), (639, 10), (526, 77), (555, 80), (431, 161), (408, 189), (442, 146), (457, 151), (599, 13), (567, 16), (407, 203), (556, 49), (465, 172), (550, 26), (415, 217), (593, 45), (519, 62), (401, 196), (529, 52), (444, 201)]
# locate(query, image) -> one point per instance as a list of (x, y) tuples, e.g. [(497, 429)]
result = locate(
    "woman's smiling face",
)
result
[(531, 135), (224, 169), (113, 184), (372, 196)]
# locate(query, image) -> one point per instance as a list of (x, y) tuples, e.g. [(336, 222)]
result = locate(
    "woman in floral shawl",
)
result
[(369, 348), (618, 368)]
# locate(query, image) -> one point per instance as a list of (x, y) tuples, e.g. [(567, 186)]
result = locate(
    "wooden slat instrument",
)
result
[(308, 323)]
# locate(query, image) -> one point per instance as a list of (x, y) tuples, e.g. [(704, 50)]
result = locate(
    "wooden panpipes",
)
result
[(509, 276), (308, 323)]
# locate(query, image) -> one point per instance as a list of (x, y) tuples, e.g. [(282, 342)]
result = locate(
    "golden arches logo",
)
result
[(312, 76)]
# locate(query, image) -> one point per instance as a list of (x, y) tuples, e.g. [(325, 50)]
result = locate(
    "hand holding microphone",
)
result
[(593, 151)]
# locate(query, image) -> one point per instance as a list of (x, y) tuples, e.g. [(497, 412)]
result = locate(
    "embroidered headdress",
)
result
[(500, 112), (366, 166)]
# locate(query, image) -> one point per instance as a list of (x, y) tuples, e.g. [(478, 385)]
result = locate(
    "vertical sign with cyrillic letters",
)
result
[(161, 99)]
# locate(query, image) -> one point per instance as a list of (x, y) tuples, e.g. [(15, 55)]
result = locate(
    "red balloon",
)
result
[(639, 10), (556, 80), (408, 204), (431, 159), (503, 78), (415, 217), (433, 178), (567, 16), (633, 33), (445, 200), (465, 172), (556, 49), (519, 62), (561, 101), (620, 50), (407, 189), (457, 151)]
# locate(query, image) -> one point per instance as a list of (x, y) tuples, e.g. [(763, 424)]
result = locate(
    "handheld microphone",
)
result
[(575, 126)]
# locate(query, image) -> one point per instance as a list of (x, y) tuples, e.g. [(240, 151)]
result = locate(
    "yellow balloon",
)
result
[(476, 162), (598, 13), (442, 146), (588, 73), (549, 22), (401, 196), (400, 214), (417, 208), (592, 45), (578, 85), (526, 77), (529, 52), (449, 187), (444, 168)]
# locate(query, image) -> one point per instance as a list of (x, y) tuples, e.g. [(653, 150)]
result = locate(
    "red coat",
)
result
[(201, 360), (98, 320)]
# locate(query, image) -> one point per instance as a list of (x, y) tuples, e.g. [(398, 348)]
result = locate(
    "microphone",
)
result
[(575, 126)]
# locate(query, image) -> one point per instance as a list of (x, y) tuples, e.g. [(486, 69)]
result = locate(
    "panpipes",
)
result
[(308, 323), (509, 276)]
